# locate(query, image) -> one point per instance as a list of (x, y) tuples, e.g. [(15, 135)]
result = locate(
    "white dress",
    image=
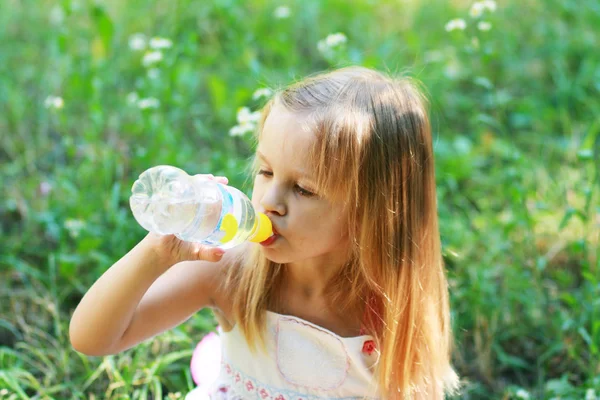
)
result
[(304, 361)]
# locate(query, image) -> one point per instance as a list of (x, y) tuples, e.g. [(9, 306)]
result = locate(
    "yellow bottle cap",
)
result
[(263, 229)]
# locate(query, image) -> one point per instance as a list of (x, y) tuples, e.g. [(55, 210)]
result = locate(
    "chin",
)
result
[(274, 257)]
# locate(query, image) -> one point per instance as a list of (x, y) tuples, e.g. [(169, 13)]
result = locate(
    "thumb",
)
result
[(207, 253)]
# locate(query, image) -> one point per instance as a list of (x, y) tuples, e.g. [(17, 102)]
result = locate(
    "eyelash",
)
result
[(302, 191)]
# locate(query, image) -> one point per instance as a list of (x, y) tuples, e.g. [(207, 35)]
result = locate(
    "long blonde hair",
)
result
[(374, 151)]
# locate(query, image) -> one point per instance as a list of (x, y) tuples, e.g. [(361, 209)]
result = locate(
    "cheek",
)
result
[(339, 229), (256, 194), (323, 226)]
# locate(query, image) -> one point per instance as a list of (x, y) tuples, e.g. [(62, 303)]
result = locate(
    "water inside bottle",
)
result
[(207, 226), (166, 200)]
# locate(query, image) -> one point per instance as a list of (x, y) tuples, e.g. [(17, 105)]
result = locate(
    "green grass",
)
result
[(515, 113)]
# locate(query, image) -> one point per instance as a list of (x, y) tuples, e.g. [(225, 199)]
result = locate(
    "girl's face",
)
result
[(308, 225)]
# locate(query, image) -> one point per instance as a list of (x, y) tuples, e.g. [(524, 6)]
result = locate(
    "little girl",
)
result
[(349, 298)]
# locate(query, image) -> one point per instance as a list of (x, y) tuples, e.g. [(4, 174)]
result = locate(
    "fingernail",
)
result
[(219, 252)]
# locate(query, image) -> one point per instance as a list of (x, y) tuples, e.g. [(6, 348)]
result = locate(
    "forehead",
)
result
[(286, 136)]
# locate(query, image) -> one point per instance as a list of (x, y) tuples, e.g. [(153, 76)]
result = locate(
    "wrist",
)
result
[(154, 247)]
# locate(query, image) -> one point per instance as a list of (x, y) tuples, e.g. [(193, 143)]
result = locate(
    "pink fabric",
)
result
[(205, 359)]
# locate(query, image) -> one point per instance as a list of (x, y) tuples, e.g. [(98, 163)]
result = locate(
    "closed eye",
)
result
[(298, 188), (303, 191), (265, 173)]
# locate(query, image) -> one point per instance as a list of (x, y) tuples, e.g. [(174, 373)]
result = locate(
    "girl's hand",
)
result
[(175, 250)]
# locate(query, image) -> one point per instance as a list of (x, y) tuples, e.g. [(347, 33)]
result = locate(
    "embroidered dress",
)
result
[(304, 362)]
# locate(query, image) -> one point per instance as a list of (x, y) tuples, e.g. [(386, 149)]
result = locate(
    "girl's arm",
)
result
[(146, 292)]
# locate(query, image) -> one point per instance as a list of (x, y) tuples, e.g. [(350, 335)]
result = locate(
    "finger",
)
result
[(204, 176), (208, 253), (211, 177)]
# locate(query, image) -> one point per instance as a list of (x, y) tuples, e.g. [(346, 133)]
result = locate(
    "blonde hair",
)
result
[(377, 131)]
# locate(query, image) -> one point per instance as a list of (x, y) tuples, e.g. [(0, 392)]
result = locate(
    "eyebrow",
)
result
[(298, 172)]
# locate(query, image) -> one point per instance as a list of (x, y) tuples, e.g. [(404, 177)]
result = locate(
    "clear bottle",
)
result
[(166, 200)]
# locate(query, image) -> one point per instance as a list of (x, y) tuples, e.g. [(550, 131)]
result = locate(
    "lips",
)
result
[(269, 241), (271, 238)]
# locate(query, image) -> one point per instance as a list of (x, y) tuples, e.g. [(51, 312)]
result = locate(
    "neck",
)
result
[(308, 280), (303, 291)]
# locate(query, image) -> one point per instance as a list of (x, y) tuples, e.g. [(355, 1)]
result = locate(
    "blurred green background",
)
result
[(94, 93)]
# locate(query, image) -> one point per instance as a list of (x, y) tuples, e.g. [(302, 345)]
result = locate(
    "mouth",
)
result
[(270, 239)]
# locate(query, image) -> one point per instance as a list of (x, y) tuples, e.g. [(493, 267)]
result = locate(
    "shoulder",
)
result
[(217, 281)]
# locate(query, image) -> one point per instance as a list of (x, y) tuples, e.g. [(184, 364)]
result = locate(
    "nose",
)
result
[(272, 201)]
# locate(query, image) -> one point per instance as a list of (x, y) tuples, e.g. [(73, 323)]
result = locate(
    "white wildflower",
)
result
[(484, 26), (57, 15), (241, 130), (331, 42), (262, 92), (45, 188), (236, 131), (476, 9), (590, 394), (282, 12), (151, 58), (54, 102), (153, 73), (247, 122), (244, 116), (522, 394), (335, 39), (483, 82), (132, 98), (137, 42), (489, 4), (74, 226), (457, 23), (149, 102), (158, 43)]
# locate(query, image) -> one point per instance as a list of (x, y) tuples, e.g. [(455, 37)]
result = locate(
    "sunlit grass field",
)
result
[(94, 93)]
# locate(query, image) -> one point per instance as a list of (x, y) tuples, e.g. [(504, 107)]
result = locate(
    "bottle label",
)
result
[(222, 232)]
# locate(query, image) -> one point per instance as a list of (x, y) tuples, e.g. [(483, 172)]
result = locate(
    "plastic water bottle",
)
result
[(166, 200)]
